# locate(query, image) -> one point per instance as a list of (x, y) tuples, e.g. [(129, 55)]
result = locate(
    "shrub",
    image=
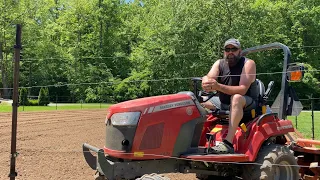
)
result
[(33, 102), (23, 97), (47, 98), (43, 98)]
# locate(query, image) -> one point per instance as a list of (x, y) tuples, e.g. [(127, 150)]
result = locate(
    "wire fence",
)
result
[(307, 122), (142, 80)]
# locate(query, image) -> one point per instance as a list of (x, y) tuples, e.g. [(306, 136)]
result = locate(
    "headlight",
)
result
[(125, 119)]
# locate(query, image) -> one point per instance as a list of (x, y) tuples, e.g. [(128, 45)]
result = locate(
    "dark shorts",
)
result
[(250, 103)]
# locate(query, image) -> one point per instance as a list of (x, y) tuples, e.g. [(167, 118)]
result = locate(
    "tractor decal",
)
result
[(167, 106)]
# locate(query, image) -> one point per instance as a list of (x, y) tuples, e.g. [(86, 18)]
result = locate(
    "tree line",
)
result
[(115, 50)]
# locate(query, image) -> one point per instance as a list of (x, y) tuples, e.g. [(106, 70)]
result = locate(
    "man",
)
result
[(234, 78)]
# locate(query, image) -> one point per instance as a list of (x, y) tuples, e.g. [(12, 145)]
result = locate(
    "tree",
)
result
[(7, 17), (110, 50), (23, 97), (43, 97)]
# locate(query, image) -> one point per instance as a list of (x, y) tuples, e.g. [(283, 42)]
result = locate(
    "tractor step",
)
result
[(218, 157)]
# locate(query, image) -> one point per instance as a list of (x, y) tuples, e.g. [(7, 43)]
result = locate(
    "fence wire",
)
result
[(170, 79), (155, 55), (160, 156), (151, 80)]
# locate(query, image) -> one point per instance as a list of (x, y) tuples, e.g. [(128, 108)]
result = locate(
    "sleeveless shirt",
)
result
[(231, 76)]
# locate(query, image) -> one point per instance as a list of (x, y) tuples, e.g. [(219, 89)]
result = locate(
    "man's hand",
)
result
[(209, 84)]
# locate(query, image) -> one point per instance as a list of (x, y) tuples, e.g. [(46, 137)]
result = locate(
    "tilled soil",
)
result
[(50, 144)]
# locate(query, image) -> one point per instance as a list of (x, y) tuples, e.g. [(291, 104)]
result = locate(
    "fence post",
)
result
[(312, 116), (56, 102), (15, 104), (296, 122)]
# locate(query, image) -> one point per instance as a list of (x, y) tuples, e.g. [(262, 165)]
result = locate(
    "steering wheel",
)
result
[(205, 96), (201, 95)]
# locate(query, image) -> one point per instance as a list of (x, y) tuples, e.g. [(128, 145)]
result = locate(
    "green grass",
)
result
[(304, 124), (8, 108)]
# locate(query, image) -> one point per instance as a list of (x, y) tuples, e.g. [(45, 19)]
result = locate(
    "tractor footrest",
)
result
[(218, 157)]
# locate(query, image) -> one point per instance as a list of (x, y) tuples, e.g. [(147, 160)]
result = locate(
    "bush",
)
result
[(23, 97), (43, 99), (33, 102), (47, 99)]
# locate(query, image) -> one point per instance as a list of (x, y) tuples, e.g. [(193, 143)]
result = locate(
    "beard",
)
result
[(233, 59)]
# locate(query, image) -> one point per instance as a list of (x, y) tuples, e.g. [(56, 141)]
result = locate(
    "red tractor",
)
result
[(173, 133)]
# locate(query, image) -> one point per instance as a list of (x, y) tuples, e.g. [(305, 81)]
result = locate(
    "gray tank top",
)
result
[(231, 76)]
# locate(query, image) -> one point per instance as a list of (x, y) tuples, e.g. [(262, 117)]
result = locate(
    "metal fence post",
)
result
[(312, 115), (56, 102), (296, 122), (15, 104)]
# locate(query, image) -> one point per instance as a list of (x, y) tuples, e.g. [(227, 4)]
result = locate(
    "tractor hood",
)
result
[(151, 103)]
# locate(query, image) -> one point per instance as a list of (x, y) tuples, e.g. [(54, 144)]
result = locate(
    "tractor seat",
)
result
[(224, 114), (261, 92), (248, 115)]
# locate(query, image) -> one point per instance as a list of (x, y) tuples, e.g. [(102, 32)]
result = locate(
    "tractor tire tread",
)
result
[(267, 157)]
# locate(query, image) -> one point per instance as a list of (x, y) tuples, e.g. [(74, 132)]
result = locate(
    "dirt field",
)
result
[(50, 144)]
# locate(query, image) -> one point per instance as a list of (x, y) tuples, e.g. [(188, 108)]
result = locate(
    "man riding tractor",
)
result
[(234, 77)]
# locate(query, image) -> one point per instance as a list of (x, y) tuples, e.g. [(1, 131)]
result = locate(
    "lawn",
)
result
[(304, 124), (60, 106)]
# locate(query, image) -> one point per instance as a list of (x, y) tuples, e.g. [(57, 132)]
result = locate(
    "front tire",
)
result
[(274, 162)]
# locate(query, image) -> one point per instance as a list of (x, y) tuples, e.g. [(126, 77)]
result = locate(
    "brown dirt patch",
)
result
[(50, 144)]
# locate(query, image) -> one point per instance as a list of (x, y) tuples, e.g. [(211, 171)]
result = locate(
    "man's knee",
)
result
[(238, 100)]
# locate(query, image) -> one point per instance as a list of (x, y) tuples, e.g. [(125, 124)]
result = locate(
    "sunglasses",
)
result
[(231, 49)]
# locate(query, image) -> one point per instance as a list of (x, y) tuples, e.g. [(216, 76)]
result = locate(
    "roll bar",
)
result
[(284, 83)]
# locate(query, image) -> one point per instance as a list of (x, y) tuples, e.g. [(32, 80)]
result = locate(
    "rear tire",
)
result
[(266, 167)]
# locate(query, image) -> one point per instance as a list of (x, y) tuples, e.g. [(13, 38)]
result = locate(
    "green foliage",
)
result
[(23, 97), (33, 102), (43, 99), (135, 86), (309, 87), (309, 83), (110, 50), (47, 97)]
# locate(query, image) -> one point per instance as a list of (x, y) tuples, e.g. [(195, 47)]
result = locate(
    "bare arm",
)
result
[(248, 76), (214, 71), (210, 78)]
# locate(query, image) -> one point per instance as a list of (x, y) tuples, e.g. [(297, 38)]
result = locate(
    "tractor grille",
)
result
[(115, 135), (152, 137)]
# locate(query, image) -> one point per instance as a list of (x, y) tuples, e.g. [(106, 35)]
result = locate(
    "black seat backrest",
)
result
[(261, 90)]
